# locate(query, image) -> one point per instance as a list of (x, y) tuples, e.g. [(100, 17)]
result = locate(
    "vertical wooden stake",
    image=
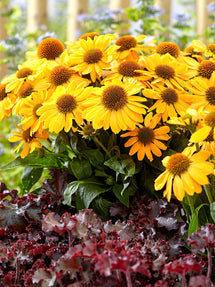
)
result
[(116, 5), (3, 36), (202, 21), (75, 8), (36, 15)]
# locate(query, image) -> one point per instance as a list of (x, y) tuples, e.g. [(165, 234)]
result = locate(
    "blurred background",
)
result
[(24, 23)]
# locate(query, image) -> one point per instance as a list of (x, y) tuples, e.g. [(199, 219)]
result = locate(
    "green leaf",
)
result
[(88, 190), (81, 168), (95, 157), (101, 207), (212, 211), (125, 166), (123, 197), (194, 223), (69, 191), (38, 158), (30, 176)]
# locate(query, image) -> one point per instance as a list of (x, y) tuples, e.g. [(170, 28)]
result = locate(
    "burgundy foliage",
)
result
[(45, 243)]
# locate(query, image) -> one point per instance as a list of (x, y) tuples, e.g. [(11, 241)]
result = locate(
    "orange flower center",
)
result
[(60, 75), (90, 35), (36, 107), (50, 48), (211, 47), (210, 137), (26, 136), (178, 163), (24, 72), (87, 130), (145, 135), (206, 68), (128, 68), (164, 71), (114, 98), (25, 90), (169, 96), (210, 95), (3, 93), (191, 51), (168, 47), (93, 56), (66, 104), (126, 42), (210, 119)]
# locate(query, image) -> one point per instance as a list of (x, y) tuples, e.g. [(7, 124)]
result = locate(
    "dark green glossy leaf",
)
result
[(212, 211), (101, 207), (38, 158), (81, 168), (69, 191), (95, 157), (30, 176), (194, 223), (87, 191), (124, 198)]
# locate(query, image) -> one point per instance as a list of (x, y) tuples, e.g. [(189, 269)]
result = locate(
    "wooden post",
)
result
[(3, 36), (116, 5), (202, 21), (75, 8), (166, 6), (36, 15)]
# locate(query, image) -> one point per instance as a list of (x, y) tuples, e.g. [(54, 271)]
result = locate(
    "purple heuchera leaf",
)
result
[(203, 238), (185, 264), (199, 281)]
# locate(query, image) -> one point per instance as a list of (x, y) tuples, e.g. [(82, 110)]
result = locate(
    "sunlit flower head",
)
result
[(130, 46), (30, 141), (204, 91), (115, 105), (185, 173), (7, 101), (49, 48), (165, 70), (168, 47), (145, 139), (169, 102), (90, 35), (91, 56), (64, 108), (206, 129), (28, 110)]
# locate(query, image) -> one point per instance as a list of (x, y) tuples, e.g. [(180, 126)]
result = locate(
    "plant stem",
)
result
[(183, 279), (208, 193), (189, 199), (209, 265), (97, 141), (128, 279)]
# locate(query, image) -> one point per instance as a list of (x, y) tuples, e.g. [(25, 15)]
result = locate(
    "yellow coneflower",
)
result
[(31, 119), (145, 140), (30, 141), (185, 172), (64, 107), (129, 47), (49, 48), (170, 102), (168, 47), (165, 70), (115, 105), (7, 101), (91, 56)]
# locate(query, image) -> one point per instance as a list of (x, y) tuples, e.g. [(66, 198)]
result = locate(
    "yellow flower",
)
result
[(145, 140), (64, 107), (168, 47), (91, 56), (49, 48), (204, 90), (7, 101), (30, 119), (28, 70), (185, 172), (165, 70), (30, 141), (208, 127), (115, 106), (129, 47), (169, 101)]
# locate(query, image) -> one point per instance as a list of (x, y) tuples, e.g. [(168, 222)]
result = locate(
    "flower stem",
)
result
[(190, 201), (208, 193), (209, 265), (128, 279), (97, 141)]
